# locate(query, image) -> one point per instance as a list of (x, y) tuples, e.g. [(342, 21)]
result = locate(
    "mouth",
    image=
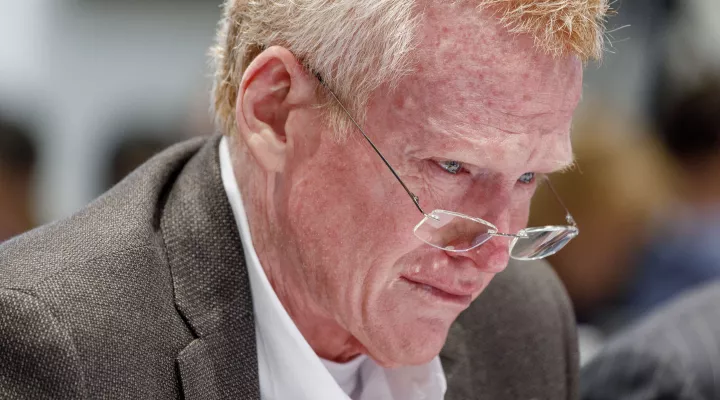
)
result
[(445, 295)]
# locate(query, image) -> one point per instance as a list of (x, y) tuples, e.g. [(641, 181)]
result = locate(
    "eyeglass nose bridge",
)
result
[(519, 235)]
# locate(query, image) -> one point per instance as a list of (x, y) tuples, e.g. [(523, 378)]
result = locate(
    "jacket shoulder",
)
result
[(125, 217), (43, 365), (527, 298), (95, 290), (522, 332)]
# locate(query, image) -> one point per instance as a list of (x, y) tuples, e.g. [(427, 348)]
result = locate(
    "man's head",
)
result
[(466, 100), (689, 130), (690, 127)]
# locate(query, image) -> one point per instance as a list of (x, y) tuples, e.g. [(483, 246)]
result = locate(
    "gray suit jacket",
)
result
[(673, 354), (144, 294)]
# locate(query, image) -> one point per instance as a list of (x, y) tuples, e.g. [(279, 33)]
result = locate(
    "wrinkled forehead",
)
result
[(473, 71)]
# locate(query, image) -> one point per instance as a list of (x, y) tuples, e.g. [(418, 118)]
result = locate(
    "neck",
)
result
[(327, 338), (283, 269)]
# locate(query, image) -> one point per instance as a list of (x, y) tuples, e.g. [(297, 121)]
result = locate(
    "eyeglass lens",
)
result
[(541, 242), (448, 231)]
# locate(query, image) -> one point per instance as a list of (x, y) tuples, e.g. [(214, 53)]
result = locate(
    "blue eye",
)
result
[(527, 178), (450, 166)]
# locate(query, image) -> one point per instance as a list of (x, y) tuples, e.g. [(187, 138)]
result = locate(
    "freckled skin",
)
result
[(341, 226)]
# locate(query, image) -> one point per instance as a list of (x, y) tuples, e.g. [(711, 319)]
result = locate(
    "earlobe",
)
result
[(268, 150)]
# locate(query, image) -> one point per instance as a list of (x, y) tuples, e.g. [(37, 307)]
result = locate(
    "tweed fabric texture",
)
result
[(144, 294), (673, 354)]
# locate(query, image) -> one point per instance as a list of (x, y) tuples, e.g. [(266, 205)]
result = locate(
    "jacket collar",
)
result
[(212, 291)]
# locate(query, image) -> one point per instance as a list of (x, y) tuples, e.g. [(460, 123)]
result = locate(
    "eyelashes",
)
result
[(527, 178), (450, 166)]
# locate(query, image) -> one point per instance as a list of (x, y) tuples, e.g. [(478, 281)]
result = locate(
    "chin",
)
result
[(408, 342)]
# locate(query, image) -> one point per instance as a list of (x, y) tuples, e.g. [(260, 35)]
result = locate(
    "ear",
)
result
[(272, 86)]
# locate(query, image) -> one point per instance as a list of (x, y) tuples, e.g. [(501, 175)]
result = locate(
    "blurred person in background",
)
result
[(684, 249), (133, 149), (289, 258), (616, 189), (18, 158), (674, 353)]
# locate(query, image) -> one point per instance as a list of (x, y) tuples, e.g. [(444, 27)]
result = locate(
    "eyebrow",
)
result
[(564, 167)]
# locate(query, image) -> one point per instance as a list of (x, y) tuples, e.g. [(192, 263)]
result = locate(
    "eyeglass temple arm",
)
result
[(415, 199), (568, 217)]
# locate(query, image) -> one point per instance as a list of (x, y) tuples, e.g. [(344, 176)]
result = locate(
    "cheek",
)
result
[(349, 225)]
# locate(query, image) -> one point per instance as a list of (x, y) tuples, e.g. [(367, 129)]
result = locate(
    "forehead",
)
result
[(476, 83)]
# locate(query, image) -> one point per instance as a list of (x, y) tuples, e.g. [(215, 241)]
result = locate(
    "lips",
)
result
[(444, 279), (439, 296), (448, 289)]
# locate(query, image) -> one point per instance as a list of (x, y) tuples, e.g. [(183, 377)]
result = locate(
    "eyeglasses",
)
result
[(456, 232)]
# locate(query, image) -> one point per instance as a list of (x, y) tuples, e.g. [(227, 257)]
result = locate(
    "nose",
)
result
[(493, 255)]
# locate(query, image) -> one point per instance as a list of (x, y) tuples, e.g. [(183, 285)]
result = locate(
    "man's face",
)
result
[(478, 97)]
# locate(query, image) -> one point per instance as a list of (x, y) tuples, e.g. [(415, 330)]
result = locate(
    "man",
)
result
[(683, 252), (672, 354), (17, 169), (280, 261)]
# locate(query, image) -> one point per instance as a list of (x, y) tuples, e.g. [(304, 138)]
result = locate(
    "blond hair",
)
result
[(359, 45)]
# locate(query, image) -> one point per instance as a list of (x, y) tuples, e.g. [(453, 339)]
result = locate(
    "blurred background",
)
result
[(89, 89), (94, 86)]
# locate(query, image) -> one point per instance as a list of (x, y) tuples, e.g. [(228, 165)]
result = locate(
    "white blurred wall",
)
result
[(84, 69), (695, 41)]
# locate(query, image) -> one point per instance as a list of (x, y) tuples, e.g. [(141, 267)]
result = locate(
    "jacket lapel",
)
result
[(212, 290)]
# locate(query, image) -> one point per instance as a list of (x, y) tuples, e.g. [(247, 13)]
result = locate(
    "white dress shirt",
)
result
[(288, 366)]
